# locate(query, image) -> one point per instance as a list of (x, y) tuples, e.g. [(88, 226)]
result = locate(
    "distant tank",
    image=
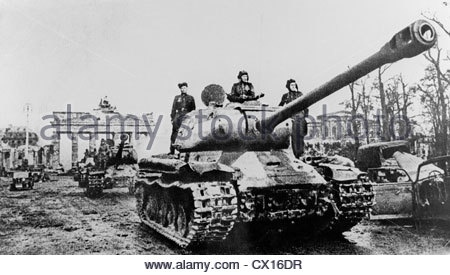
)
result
[(235, 166), (121, 171)]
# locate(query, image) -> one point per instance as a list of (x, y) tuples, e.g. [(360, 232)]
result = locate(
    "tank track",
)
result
[(354, 201), (123, 181), (188, 214), (94, 187)]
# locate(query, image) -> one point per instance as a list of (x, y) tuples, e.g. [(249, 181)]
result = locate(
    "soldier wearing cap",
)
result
[(182, 104), (299, 124), (243, 90)]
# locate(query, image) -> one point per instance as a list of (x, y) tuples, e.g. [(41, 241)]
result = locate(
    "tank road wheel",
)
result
[(166, 213), (181, 221), (152, 209), (161, 207), (185, 215), (140, 200), (169, 215)]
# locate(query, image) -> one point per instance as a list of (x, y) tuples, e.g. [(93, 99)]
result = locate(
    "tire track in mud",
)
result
[(57, 218), (109, 225)]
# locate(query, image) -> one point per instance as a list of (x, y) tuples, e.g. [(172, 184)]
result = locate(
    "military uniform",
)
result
[(299, 124), (290, 96), (182, 104), (103, 155), (241, 89)]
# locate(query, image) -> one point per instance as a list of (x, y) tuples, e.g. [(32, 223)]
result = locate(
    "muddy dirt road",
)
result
[(57, 218)]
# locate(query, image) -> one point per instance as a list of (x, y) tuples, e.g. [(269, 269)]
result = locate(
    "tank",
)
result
[(121, 171), (236, 168)]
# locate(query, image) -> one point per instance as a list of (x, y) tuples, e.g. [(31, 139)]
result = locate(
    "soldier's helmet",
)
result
[(182, 84), (241, 73), (289, 82)]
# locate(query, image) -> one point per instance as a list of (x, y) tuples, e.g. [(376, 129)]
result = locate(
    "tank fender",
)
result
[(340, 172), (155, 181), (203, 167)]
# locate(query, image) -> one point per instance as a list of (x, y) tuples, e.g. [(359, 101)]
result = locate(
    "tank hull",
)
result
[(201, 201)]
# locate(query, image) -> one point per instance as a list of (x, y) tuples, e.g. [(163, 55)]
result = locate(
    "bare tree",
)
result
[(379, 85), (366, 105), (399, 98), (434, 86), (360, 101), (408, 94), (354, 105), (434, 99), (446, 30)]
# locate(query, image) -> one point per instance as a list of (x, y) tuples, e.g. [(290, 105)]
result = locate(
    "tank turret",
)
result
[(121, 171), (253, 126), (124, 153), (122, 167)]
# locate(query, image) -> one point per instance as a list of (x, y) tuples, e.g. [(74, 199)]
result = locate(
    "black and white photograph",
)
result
[(253, 127)]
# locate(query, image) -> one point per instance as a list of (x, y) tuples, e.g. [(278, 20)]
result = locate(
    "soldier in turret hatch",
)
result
[(243, 90), (86, 155), (182, 104), (299, 124), (103, 154)]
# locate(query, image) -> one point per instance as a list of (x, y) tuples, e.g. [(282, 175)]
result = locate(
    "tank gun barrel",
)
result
[(411, 41)]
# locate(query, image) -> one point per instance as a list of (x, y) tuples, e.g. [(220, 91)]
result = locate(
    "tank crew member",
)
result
[(243, 90), (299, 125), (182, 104), (86, 155), (103, 154)]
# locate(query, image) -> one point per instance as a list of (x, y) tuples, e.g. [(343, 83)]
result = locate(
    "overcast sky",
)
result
[(56, 52)]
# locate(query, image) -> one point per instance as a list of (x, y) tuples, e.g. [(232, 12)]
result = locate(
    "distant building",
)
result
[(337, 126), (335, 129), (12, 148), (16, 136)]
